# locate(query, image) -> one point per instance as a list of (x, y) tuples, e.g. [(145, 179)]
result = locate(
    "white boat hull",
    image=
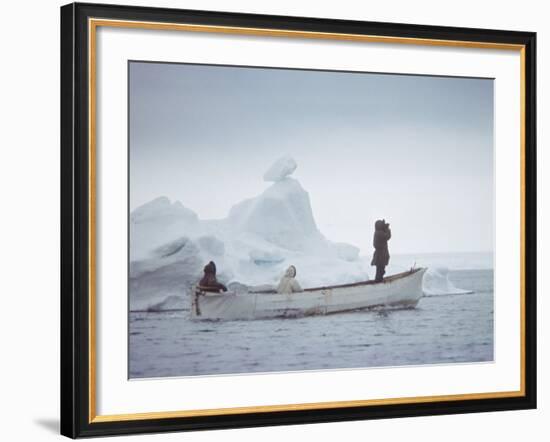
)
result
[(404, 289)]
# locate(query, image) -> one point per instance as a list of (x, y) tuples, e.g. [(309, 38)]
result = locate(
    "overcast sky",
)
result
[(415, 150)]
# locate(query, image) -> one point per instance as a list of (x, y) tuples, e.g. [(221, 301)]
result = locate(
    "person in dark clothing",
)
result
[(381, 256), (209, 281)]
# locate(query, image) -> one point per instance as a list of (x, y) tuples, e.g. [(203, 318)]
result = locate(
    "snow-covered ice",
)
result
[(252, 246), (282, 168)]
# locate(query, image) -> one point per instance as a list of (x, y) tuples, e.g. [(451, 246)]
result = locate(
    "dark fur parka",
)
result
[(209, 280), (382, 234)]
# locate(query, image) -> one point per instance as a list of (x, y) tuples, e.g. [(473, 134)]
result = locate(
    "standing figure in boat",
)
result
[(288, 283), (209, 281), (381, 257)]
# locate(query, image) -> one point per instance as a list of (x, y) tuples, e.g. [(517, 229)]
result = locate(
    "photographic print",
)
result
[(289, 219), (271, 220)]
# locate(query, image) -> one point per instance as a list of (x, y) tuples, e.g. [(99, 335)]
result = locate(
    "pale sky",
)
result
[(415, 150)]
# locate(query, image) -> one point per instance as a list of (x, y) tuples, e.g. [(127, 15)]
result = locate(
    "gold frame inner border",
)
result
[(93, 24)]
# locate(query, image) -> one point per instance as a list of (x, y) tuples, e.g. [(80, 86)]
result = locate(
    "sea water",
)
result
[(442, 329)]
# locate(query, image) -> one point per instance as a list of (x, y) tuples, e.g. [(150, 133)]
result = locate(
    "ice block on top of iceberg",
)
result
[(280, 169)]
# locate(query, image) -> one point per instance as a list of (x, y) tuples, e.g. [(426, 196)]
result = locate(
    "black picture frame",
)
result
[(76, 401)]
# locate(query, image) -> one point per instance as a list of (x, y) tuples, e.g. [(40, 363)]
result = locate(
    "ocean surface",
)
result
[(442, 329)]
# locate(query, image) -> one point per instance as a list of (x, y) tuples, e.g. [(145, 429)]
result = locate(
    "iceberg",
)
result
[(281, 215), (437, 282), (159, 222), (160, 209), (252, 246), (280, 169), (212, 246), (347, 252), (168, 272)]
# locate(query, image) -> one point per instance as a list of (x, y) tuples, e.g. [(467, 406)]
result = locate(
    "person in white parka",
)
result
[(288, 283)]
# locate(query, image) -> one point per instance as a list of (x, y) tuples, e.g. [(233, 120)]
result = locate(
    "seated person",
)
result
[(288, 283), (209, 283)]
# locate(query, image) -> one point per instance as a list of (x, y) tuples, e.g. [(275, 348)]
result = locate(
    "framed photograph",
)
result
[(273, 220)]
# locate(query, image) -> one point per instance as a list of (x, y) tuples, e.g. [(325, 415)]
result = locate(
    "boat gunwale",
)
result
[(388, 279)]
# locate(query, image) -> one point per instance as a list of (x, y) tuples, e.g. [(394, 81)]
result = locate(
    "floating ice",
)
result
[(281, 169), (436, 282), (159, 222), (265, 257), (281, 215), (252, 246), (161, 209), (346, 251), (211, 245), (169, 271)]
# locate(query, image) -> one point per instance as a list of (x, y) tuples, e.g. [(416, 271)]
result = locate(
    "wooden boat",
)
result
[(403, 289)]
